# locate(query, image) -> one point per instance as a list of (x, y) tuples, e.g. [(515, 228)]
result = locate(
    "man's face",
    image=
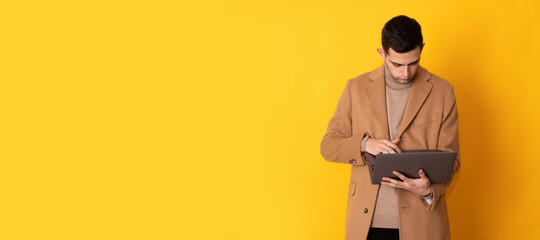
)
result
[(402, 66)]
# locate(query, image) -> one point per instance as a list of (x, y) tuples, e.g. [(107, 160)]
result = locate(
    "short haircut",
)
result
[(402, 34)]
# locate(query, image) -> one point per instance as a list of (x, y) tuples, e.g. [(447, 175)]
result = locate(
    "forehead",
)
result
[(404, 58)]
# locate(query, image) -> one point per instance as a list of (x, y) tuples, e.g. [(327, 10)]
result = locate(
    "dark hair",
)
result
[(402, 34)]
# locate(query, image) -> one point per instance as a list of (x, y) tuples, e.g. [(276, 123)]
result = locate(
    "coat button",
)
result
[(365, 210), (352, 161)]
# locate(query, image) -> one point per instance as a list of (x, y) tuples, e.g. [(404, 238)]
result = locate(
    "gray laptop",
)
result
[(436, 164)]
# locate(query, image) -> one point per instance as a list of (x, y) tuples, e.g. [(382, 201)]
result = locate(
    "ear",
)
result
[(381, 53), (423, 44)]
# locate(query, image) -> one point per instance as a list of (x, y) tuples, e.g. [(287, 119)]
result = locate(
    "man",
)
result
[(398, 106)]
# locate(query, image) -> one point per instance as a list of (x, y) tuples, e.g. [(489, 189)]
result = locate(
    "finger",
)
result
[(395, 141), (380, 150), (400, 176), (388, 184), (373, 151), (392, 145), (392, 183), (387, 148), (422, 174)]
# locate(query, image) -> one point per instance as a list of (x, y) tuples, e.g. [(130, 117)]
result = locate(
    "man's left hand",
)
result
[(420, 186)]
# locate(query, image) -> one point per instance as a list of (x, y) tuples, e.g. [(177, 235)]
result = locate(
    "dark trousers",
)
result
[(383, 234)]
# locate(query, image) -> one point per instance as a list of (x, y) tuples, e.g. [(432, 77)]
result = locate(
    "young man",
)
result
[(398, 106)]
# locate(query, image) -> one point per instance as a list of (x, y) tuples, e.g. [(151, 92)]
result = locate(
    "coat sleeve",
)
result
[(448, 142), (339, 145)]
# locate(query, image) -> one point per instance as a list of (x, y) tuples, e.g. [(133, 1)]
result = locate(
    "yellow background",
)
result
[(202, 119)]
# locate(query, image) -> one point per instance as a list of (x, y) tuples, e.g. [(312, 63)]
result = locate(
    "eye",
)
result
[(396, 65)]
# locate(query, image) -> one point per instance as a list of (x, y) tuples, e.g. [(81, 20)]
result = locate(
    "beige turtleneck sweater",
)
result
[(386, 208)]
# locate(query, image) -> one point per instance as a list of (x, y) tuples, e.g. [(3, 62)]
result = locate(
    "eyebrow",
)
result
[(411, 63)]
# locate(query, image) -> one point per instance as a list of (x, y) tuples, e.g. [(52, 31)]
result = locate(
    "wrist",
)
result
[(428, 194)]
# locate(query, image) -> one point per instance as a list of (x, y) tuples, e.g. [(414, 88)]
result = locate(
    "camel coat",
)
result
[(430, 121)]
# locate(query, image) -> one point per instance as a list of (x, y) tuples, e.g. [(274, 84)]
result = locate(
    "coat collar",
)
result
[(420, 90)]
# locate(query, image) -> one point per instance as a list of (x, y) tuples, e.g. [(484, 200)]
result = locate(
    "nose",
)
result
[(405, 72)]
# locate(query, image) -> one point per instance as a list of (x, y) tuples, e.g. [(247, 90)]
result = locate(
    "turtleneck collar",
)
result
[(393, 83)]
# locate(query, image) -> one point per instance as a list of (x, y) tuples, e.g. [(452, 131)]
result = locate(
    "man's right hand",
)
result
[(376, 146)]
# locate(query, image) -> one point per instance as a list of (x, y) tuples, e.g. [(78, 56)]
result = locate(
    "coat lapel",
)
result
[(377, 95), (420, 90)]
